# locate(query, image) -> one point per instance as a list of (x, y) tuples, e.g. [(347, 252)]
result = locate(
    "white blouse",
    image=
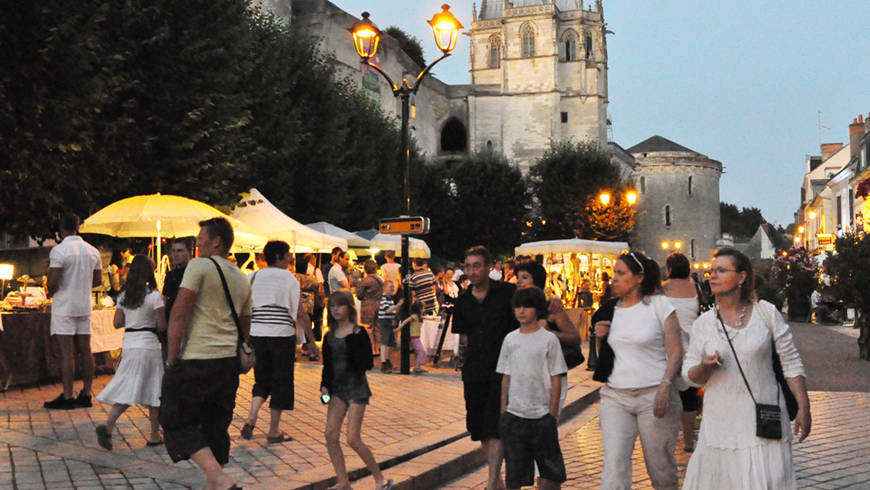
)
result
[(729, 412)]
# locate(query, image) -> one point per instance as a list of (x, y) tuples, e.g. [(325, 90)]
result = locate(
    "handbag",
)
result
[(791, 403), (573, 355), (606, 356), (768, 418), (244, 349)]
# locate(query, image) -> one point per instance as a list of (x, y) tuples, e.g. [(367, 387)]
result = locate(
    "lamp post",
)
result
[(366, 38)]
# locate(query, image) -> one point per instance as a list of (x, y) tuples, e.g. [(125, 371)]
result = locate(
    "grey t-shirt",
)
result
[(336, 275), (530, 359)]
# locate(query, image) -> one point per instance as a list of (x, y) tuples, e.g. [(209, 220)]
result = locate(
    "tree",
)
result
[(797, 274), (848, 270), (743, 223), (408, 43), (613, 221), (480, 200), (563, 181)]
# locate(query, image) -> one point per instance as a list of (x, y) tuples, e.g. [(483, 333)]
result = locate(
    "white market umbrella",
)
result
[(258, 213), (571, 245), (416, 246), (353, 240)]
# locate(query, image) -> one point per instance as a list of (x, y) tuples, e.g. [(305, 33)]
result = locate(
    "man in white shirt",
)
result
[(337, 277), (73, 269), (391, 270)]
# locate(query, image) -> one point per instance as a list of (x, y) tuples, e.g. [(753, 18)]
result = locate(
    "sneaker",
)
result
[(60, 403), (419, 370), (83, 401)]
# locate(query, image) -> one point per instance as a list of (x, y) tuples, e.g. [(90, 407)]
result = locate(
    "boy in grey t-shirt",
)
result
[(531, 363)]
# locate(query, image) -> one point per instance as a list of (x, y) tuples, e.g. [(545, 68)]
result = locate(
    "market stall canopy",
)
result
[(353, 240), (571, 245), (163, 215), (258, 213), (416, 247)]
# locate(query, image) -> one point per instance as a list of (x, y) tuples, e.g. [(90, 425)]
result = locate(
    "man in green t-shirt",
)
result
[(199, 388)]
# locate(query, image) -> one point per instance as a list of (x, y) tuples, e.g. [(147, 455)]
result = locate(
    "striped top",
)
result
[(275, 295), (423, 284), (386, 304)]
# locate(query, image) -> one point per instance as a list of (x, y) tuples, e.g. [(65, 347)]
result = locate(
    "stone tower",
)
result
[(678, 200), (538, 76)]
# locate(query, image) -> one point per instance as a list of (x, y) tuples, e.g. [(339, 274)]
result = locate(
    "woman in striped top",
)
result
[(275, 295)]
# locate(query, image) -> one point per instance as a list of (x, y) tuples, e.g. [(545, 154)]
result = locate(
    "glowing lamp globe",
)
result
[(604, 197), (366, 37), (631, 197), (445, 27)]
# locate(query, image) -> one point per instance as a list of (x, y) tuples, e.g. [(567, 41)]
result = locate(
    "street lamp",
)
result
[(604, 197), (631, 197), (366, 38)]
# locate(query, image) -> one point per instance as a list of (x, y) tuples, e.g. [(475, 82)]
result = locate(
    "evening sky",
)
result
[(741, 82)]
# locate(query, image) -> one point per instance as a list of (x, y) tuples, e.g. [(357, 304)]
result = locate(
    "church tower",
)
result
[(538, 76)]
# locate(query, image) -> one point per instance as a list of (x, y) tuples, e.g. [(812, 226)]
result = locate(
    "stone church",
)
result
[(538, 76)]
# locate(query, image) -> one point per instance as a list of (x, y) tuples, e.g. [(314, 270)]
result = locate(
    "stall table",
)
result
[(430, 333), (29, 355)]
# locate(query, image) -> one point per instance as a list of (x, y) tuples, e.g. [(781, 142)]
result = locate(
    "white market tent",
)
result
[(571, 245), (258, 213), (416, 247), (353, 240)]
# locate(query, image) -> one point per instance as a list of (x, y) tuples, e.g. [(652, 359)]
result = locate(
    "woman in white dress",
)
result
[(137, 381), (681, 292), (729, 455)]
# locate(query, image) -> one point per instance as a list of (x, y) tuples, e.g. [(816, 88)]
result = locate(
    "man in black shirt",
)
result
[(181, 253), (483, 317)]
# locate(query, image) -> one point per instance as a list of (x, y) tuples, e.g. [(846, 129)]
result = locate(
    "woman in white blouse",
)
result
[(639, 397), (729, 455)]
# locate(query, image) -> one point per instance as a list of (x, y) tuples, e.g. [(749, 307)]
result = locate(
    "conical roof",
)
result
[(657, 143)]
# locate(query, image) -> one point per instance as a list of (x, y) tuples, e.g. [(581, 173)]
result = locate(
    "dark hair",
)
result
[(417, 308), (639, 264), (532, 297), (370, 266), (186, 241), (742, 264), (480, 251), (140, 281), (310, 256), (274, 250), (390, 253), (678, 266), (335, 250), (418, 261), (339, 298), (511, 264), (70, 222), (536, 270), (219, 227), (605, 276)]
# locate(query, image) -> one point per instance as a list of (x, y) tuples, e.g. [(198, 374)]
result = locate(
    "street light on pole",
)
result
[(366, 38)]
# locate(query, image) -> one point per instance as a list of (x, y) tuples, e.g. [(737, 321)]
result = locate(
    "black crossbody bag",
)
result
[(244, 350), (768, 418)]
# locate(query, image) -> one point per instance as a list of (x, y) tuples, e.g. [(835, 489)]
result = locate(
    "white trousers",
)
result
[(625, 413)]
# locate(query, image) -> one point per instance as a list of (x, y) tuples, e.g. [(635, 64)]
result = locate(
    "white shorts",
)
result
[(70, 325)]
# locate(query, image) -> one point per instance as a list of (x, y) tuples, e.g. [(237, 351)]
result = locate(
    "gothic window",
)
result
[(527, 40), (494, 60), (588, 47), (642, 185), (690, 186), (453, 137), (489, 145), (569, 46), (667, 215), (564, 117)]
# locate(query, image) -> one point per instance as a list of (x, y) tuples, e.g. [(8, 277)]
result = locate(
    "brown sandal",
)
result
[(247, 431)]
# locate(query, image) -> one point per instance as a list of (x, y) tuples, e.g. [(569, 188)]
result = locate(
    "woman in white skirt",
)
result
[(137, 381), (729, 455)]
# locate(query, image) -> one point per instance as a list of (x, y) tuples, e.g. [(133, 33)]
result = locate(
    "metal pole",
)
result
[(405, 344)]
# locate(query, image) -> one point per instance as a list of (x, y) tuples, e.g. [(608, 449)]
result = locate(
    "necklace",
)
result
[(739, 323)]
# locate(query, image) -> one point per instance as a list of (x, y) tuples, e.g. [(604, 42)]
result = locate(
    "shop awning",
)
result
[(571, 245)]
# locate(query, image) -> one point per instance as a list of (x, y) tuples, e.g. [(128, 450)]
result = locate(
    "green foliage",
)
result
[(408, 43), (797, 274), (479, 200), (848, 270), (595, 220), (563, 181), (742, 224)]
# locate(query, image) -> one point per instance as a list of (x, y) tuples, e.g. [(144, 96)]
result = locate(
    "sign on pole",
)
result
[(404, 225)]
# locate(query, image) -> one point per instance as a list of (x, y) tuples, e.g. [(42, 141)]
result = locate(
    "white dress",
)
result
[(140, 373), (728, 454)]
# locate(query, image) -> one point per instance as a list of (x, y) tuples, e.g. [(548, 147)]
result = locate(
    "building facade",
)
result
[(678, 200)]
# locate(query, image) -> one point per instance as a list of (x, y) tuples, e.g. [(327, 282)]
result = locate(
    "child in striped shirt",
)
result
[(386, 317)]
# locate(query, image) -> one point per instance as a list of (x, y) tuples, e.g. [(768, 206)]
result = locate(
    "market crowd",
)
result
[(656, 342)]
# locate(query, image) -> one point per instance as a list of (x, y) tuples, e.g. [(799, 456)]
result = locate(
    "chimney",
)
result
[(828, 149), (856, 131)]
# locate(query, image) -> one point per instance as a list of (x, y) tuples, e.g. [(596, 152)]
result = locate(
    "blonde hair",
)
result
[(340, 298)]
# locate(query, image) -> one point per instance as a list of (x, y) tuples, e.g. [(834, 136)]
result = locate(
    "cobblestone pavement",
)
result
[(58, 449)]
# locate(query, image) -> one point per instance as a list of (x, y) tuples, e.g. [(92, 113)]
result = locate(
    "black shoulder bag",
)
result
[(768, 418), (244, 350)]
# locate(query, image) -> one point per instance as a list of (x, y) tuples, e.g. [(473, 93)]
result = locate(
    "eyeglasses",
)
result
[(718, 271)]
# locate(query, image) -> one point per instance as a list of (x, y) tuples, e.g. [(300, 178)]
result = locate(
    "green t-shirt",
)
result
[(212, 333)]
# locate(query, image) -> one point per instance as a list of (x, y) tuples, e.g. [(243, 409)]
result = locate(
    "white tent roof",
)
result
[(353, 240), (260, 214), (416, 247), (571, 245)]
